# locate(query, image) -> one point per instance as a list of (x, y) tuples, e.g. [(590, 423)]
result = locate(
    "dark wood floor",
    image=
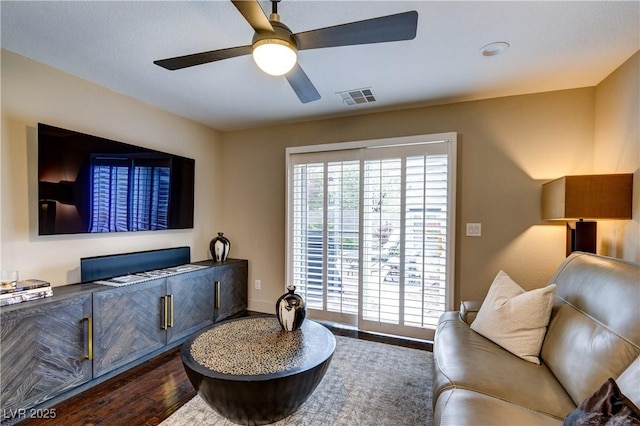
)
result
[(151, 392)]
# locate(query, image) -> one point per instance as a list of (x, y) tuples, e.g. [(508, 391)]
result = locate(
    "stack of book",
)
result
[(24, 291)]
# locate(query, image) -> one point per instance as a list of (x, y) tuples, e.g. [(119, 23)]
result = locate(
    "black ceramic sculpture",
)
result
[(220, 247), (291, 310)]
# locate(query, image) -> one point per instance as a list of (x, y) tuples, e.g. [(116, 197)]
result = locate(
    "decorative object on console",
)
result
[(25, 290), (112, 265), (8, 278), (575, 198), (220, 247), (291, 310)]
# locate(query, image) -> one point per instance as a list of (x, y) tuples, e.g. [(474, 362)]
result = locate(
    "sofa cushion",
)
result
[(458, 407), (628, 382), (607, 406), (593, 333), (514, 318), (463, 359)]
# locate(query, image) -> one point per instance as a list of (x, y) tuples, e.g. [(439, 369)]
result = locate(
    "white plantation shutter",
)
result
[(371, 231), (308, 242), (381, 240), (324, 214), (427, 234)]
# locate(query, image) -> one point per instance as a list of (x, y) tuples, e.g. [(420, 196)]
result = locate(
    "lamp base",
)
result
[(582, 237)]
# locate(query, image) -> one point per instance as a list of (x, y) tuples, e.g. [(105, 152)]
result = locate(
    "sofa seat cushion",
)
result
[(457, 407), (463, 359)]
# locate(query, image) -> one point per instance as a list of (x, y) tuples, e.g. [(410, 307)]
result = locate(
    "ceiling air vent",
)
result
[(357, 96)]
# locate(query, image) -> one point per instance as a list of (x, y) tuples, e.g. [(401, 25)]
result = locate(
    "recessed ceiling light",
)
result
[(496, 48)]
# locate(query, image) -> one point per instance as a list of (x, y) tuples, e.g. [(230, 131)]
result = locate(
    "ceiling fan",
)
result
[(274, 47)]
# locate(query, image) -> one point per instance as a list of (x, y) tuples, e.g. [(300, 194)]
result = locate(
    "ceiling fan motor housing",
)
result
[(280, 32)]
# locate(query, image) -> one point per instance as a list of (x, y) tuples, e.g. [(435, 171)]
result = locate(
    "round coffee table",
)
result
[(252, 372)]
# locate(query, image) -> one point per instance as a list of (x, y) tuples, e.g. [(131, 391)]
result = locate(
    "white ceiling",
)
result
[(554, 45)]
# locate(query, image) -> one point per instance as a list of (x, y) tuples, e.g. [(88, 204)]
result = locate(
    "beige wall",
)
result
[(617, 150), (507, 148), (32, 93)]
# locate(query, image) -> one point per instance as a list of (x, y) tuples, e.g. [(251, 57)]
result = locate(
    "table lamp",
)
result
[(576, 198)]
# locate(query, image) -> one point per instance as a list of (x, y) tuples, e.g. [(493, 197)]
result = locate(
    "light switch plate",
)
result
[(474, 229)]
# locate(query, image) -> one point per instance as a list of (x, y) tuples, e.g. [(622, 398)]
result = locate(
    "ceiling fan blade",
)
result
[(301, 84), (254, 15), (401, 26), (186, 61)]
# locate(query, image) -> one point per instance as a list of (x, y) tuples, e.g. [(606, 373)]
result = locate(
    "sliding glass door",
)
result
[(370, 233)]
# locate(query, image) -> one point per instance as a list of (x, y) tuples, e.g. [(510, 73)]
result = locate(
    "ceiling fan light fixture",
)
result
[(274, 56)]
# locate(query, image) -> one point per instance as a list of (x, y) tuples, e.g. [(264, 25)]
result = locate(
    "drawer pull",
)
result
[(171, 309), (165, 309), (217, 305), (89, 339)]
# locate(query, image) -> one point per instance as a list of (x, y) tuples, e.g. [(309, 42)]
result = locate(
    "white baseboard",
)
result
[(263, 306)]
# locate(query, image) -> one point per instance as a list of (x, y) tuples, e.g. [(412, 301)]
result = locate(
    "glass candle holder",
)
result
[(8, 278)]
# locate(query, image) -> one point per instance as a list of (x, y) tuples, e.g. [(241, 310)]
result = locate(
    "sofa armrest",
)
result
[(469, 310)]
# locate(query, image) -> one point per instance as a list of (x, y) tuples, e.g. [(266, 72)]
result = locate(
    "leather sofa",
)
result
[(593, 334)]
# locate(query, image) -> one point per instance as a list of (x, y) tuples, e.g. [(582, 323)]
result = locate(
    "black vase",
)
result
[(291, 310), (219, 248)]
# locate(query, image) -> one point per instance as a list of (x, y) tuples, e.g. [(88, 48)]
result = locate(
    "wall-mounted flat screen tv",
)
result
[(89, 184)]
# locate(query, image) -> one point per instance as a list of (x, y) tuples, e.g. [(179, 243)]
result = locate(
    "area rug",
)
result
[(367, 383)]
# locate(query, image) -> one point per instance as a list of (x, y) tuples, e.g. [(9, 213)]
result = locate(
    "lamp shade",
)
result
[(589, 197)]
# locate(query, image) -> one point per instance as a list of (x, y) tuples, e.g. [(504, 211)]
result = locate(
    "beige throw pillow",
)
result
[(515, 319)]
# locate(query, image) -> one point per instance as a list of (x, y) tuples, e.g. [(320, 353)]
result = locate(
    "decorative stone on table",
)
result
[(291, 310)]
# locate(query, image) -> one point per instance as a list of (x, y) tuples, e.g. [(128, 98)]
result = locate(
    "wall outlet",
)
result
[(474, 229), (257, 285)]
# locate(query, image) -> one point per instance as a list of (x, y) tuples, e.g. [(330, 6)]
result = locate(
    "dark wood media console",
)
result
[(84, 334)]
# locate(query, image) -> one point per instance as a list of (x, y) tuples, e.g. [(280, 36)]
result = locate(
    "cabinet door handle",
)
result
[(217, 304), (165, 308), (89, 338), (171, 310)]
